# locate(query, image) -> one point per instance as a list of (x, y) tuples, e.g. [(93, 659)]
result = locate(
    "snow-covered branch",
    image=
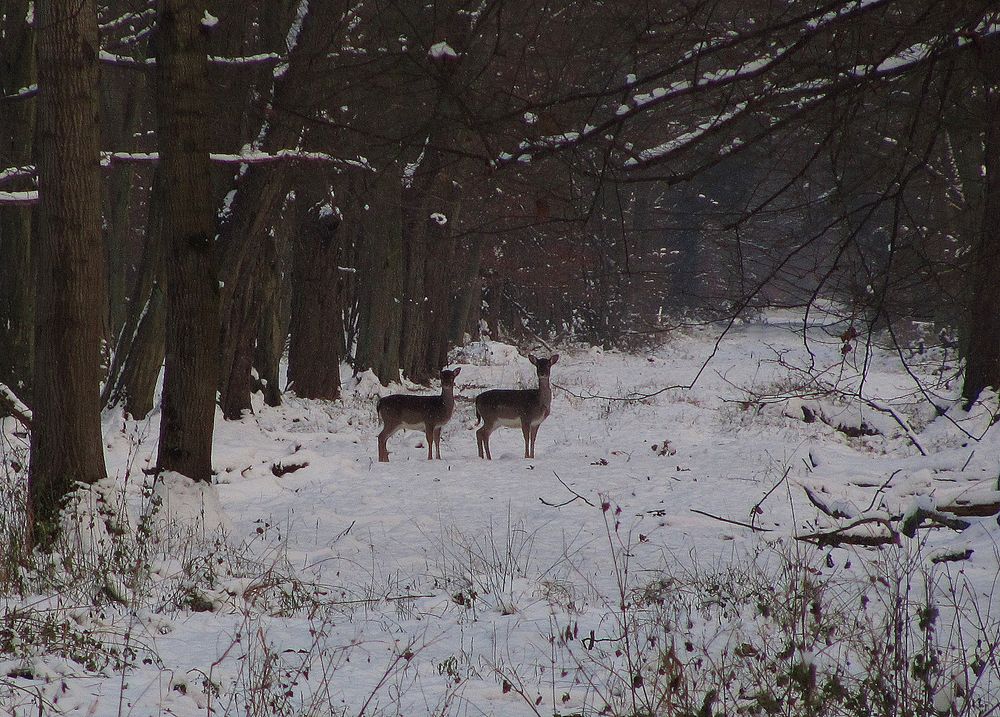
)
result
[(246, 157), (260, 59), (19, 198), (774, 82)]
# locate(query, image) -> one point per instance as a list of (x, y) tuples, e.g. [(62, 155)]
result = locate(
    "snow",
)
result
[(209, 20), (661, 150), (26, 197), (442, 51), (418, 587)]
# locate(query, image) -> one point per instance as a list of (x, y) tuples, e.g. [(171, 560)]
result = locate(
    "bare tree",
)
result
[(66, 444), (17, 130), (192, 291)]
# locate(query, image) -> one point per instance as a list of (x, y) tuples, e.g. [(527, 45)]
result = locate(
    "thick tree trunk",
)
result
[(317, 296), (982, 367), (192, 294), (66, 442), (17, 129), (381, 279), (258, 197)]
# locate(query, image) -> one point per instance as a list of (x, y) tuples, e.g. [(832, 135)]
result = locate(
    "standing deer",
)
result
[(428, 413), (524, 408)]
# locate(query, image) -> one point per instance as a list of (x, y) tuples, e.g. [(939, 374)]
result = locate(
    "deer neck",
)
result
[(544, 391), (448, 397)]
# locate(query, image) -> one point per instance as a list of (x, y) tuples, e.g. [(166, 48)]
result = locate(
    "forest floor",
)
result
[(648, 560)]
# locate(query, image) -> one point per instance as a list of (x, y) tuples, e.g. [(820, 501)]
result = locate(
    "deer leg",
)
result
[(437, 442), (534, 432), (429, 435), (383, 450), (526, 432), (483, 441)]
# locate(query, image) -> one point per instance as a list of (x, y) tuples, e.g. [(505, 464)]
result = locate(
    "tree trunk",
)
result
[(317, 296), (274, 298), (440, 278), (381, 276), (192, 293), (122, 114), (413, 335), (138, 353), (66, 441), (17, 129), (465, 309), (258, 197), (982, 367)]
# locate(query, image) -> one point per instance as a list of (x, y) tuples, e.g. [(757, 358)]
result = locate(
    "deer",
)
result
[(427, 413), (524, 408)]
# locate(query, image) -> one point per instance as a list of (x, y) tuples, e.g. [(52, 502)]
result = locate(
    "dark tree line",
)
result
[(203, 192)]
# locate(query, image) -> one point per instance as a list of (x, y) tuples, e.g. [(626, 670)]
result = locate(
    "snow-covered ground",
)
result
[(518, 586)]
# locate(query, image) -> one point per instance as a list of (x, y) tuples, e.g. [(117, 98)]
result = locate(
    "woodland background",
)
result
[(203, 187)]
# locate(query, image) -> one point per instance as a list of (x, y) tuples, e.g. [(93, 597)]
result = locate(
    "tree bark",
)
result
[(138, 354), (415, 254), (317, 320), (440, 277), (123, 102), (258, 197), (466, 307), (66, 441), (17, 129), (982, 367), (192, 292), (381, 279), (274, 293)]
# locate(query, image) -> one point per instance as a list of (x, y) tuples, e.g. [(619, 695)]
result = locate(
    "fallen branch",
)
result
[(841, 536), (953, 557), (916, 519), (733, 522), (971, 510), (890, 411)]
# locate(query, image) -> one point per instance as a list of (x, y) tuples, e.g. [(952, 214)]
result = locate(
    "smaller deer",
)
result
[(427, 413), (524, 408)]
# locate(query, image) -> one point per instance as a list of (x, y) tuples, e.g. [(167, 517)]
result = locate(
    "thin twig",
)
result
[(883, 487), (756, 508), (575, 494), (734, 522)]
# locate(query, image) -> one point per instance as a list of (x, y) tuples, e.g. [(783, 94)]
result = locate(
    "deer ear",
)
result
[(456, 371), (553, 359), (534, 361)]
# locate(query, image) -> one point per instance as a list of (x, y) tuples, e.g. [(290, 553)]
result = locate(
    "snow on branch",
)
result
[(799, 93), (109, 58), (9, 199), (23, 93), (12, 173), (260, 59), (244, 157), (12, 406), (128, 19)]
